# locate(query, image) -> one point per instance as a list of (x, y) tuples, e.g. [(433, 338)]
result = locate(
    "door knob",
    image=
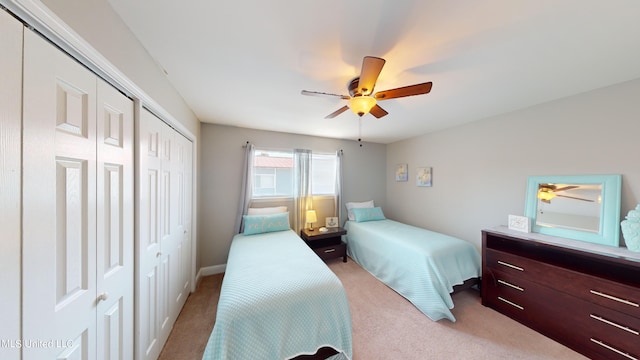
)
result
[(103, 297)]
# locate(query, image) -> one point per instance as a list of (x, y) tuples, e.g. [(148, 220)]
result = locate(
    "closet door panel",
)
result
[(10, 127), (115, 271), (149, 289), (59, 203), (167, 258), (164, 266), (181, 194), (176, 198), (188, 270)]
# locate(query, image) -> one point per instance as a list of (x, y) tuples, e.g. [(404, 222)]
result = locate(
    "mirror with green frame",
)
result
[(580, 207)]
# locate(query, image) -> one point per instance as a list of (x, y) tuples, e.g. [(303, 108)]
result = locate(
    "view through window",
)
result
[(274, 173)]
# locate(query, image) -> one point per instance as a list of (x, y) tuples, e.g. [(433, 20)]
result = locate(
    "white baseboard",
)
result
[(210, 270)]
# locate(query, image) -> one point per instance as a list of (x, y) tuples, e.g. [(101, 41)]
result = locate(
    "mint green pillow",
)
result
[(368, 214), (258, 224)]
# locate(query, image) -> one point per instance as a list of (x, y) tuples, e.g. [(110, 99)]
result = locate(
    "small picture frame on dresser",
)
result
[(519, 223), (332, 222)]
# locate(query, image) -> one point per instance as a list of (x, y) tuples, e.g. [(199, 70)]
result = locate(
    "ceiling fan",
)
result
[(546, 192), (361, 98)]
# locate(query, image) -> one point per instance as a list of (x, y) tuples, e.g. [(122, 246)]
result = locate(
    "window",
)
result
[(323, 174), (273, 173)]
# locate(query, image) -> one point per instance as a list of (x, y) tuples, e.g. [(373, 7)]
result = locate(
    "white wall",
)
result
[(480, 169), (221, 170)]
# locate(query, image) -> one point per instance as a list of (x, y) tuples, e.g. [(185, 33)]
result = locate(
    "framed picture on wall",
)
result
[(423, 176), (402, 172)]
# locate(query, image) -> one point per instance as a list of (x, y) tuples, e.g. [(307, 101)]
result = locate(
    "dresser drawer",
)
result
[(605, 331), (333, 251), (607, 293), (508, 288), (619, 297), (608, 351), (539, 307), (513, 264), (613, 338)]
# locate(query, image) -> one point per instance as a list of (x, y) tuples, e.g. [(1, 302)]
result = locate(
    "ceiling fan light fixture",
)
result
[(361, 105), (545, 195), (361, 98)]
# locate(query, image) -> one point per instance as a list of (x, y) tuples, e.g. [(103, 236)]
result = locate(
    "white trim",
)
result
[(210, 270)]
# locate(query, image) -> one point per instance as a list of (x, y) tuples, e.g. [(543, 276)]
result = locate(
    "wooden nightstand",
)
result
[(327, 245)]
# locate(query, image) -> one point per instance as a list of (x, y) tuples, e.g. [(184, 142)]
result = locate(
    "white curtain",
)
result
[(302, 200), (246, 191), (337, 202)]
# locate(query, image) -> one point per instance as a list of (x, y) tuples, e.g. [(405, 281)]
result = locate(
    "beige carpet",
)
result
[(386, 326)]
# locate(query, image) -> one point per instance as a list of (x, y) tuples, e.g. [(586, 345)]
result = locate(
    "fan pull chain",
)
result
[(360, 130)]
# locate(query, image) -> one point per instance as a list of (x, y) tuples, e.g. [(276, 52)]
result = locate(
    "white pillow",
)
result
[(352, 205), (267, 210)]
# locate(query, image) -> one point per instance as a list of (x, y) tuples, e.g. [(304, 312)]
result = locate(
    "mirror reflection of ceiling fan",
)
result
[(546, 192), (361, 97)]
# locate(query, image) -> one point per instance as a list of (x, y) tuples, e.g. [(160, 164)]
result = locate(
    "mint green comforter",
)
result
[(421, 265), (278, 300)]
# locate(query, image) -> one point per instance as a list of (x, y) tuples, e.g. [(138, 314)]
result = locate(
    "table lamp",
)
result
[(311, 218)]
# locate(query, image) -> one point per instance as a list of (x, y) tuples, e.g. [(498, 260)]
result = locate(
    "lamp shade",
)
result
[(361, 105), (311, 216)]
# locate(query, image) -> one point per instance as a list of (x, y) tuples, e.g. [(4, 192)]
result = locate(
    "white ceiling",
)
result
[(244, 62)]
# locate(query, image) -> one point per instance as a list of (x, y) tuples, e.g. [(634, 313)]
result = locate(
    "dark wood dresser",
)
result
[(583, 295)]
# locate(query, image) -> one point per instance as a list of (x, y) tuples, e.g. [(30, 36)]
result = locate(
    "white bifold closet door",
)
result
[(164, 243), (77, 210), (10, 188)]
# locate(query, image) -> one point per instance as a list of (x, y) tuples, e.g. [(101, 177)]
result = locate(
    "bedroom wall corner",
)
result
[(221, 167)]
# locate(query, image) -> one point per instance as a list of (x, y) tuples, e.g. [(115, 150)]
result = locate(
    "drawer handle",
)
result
[(510, 265), (609, 322), (611, 297), (510, 285), (628, 356), (329, 250), (510, 303)]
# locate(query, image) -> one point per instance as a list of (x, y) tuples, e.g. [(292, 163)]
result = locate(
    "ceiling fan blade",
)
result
[(575, 198), (377, 111), (337, 112), (566, 188), (317, 93), (411, 90), (371, 67)]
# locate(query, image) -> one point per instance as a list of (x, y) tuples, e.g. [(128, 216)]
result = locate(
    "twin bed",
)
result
[(423, 266), (279, 300)]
